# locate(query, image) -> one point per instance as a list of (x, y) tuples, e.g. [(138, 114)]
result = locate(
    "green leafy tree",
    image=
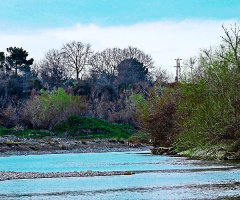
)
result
[(209, 103), (17, 59)]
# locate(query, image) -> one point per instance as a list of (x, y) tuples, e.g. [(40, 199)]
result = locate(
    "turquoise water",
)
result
[(118, 161), (178, 178)]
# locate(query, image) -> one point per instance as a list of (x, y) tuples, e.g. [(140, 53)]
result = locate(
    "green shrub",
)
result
[(157, 115), (9, 143), (208, 107), (46, 111), (90, 127)]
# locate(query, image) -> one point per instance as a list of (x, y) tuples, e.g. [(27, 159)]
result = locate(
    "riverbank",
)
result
[(223, 152), (12, 145), (211, 153)]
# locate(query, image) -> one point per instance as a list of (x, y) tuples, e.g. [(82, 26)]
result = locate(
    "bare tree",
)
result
[(139, 55), (76, 56), (232, 39), (36, 68), (52, 68), (160, 74), (54, 58), (106, 62)]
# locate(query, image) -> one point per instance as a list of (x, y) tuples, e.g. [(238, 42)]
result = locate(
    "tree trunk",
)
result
[(15, 71)]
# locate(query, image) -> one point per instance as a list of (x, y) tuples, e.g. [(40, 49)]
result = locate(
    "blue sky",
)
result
[(164, 28), (64, 13)]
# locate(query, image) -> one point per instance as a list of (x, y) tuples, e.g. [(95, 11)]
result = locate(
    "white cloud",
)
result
[(165, 40)]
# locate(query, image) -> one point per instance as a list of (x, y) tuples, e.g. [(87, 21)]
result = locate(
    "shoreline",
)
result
[(202, 153), (79, 150), (11, 145)]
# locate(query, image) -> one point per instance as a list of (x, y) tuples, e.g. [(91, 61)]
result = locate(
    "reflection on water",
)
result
[(178, 178)]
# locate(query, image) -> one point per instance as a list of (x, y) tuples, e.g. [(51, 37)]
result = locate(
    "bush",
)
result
[(91, 127), (9, 116), (209, 102), (9, 143), (46, 111), (157, 116)]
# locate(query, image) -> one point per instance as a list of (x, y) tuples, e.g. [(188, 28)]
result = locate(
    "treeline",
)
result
[(73, 80), (203, 109), (121, 85)]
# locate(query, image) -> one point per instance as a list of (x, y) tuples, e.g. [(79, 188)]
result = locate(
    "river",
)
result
[(161, 177)]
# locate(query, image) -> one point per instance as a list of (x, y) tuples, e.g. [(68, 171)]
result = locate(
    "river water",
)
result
[(161, 177)]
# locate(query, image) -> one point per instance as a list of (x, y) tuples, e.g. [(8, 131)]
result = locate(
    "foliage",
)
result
[(208, 107), (36, 84), (47, 110), (141, 103), (157, 115), (2, 59), (91, 127), (17, 59), (82, 87), (131, 71)]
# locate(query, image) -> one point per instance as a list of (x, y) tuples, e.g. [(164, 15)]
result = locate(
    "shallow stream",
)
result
[(161, 177)]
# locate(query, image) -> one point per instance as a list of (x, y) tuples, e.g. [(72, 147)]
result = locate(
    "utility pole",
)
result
[(178, 69)]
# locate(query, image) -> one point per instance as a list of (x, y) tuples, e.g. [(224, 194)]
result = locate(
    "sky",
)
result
[(165, 29)]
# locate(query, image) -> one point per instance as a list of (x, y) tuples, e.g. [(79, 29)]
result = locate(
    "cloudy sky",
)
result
[(166, 29)]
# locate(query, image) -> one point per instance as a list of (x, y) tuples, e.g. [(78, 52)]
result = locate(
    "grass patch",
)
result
[(77, 127), (26, 133), (92, 128)]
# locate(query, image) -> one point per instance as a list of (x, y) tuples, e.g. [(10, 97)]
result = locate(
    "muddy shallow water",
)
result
[(156, 177)]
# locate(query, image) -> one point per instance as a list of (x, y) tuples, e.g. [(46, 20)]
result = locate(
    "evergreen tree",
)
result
[(17, 59), (131, 71)]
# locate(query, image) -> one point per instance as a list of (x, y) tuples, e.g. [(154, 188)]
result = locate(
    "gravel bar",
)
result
[(11, 175)]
